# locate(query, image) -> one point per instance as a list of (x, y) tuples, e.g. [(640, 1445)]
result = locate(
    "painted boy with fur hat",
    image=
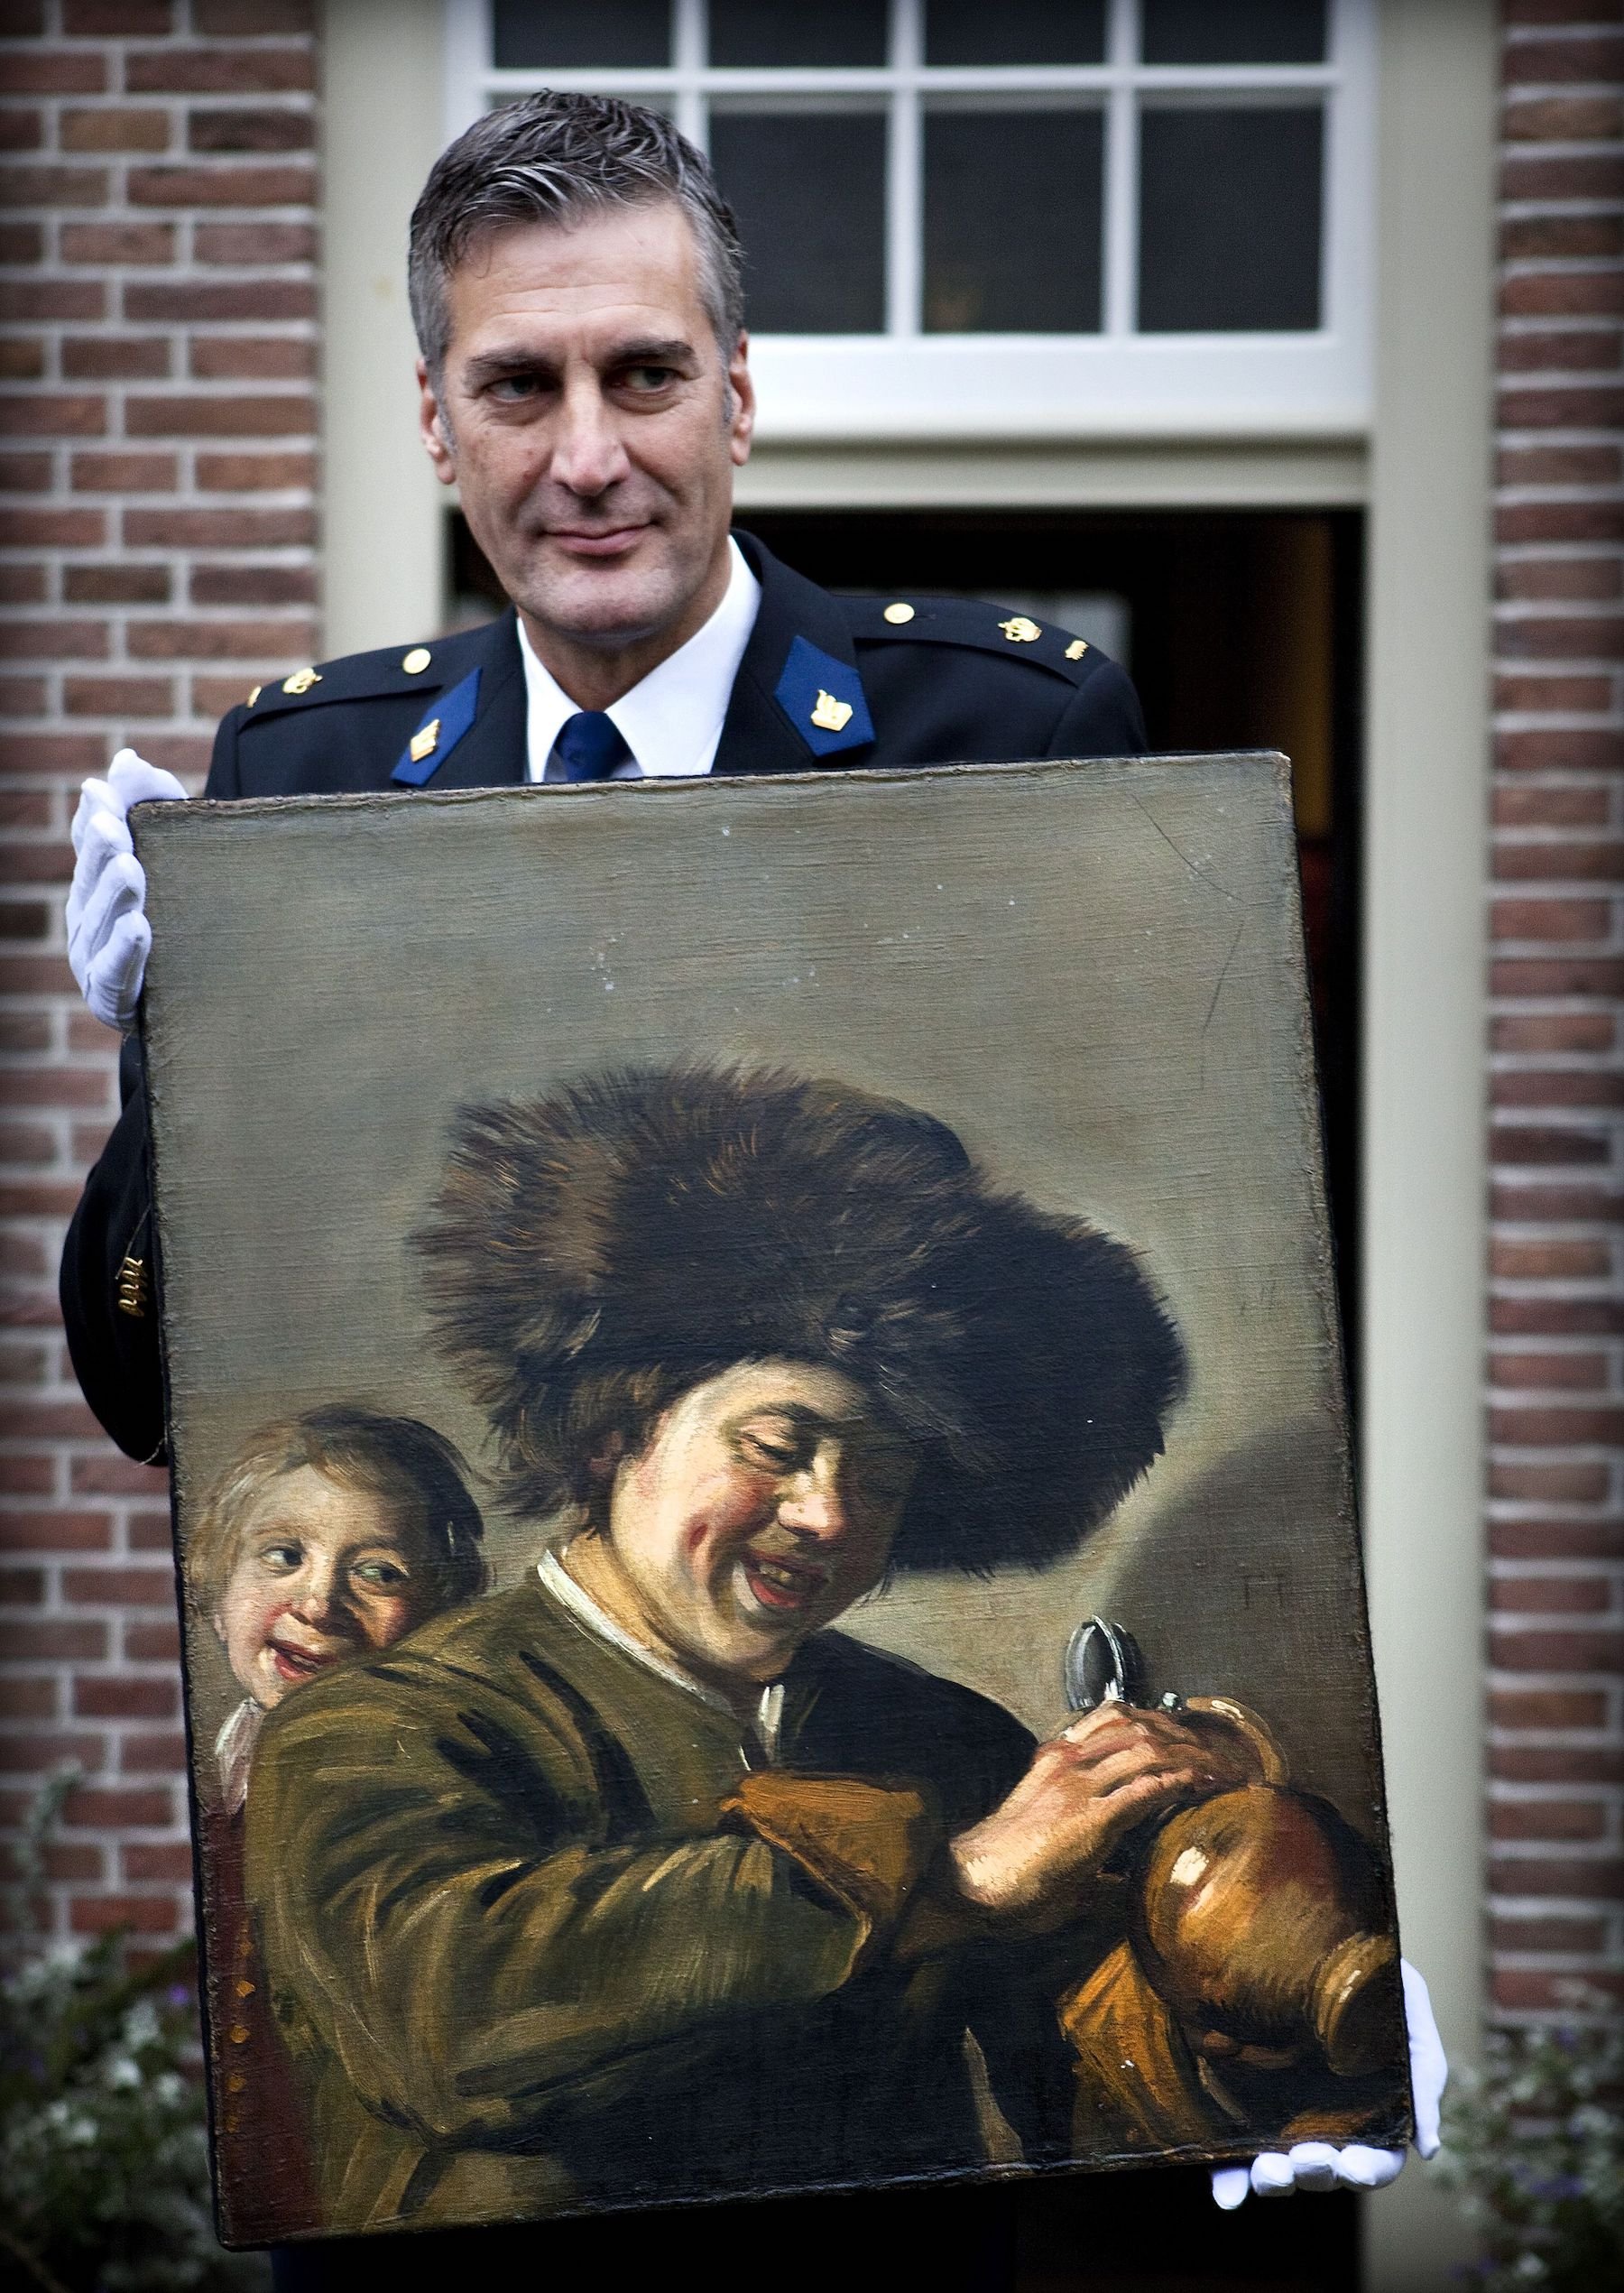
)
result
[(640, 1881)]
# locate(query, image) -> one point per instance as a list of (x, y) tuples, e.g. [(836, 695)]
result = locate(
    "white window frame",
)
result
[(908, 385)]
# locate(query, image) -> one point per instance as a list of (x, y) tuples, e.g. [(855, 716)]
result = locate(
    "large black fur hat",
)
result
[(594, 1253)]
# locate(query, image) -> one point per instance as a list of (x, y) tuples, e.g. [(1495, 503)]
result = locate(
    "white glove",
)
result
[(1320, 2165), (108, 935)]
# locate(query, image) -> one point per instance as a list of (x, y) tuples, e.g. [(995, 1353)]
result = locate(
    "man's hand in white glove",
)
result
[(108, 935), (1320, 2165)]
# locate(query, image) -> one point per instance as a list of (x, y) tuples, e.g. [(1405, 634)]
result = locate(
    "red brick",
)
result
[(32, 640), (1561, 750), (1553, 581), (61, 414), (55, 71), (1558, 1763), (22, 358), (1586, 465), (25, 472), (118, 697), (148, 1753), (253, 244), (119, 1588), (216, 640), (1548, 1373), (252, 585), (1575, 1650), (1540, 237), (1562, 1086), (111, 584), (28, 1475), (255, 473), (1551, 1315), (52, 528), (1584, 1878), (1592, 521), (252, 358), (140, 1914), (23, 584), (1524, 1991), (1570, 976), (20, 130), (1587, 1595), (104, 1809), (267, 128), (27, 1699), (1570, 861), (1548, 1709), (186, 302), (229, 71), (225, 186), (1551, 919), (57, 1530), (133, 243), (233, 528), (152, 1643), (1565, 175), (211, 696), (47, 1640), (52, 186), (117, 19), (1549, 808), (108, 1476), (115, 357), (1568, 350), (26, 299), (41, 1749), (115, 128), (251, 19), (1532, 1142), (125, 472), (1561, 294), (23, 695), (124, 1697), (1562, 636), (157, 1860), (285, 415), (1597, 57), (1552, 1936), (1550, 1483), (148, 1532), (1558, 1539)]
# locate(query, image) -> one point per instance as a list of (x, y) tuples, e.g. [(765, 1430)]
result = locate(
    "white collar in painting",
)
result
[(234, 1751), (578, 1600), (672, 720)]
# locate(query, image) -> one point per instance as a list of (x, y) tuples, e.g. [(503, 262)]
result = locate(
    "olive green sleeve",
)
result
[(444, 1906)]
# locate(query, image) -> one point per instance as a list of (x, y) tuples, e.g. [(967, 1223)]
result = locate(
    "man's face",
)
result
[(322, 1572), (764, 1504), (587, 415)]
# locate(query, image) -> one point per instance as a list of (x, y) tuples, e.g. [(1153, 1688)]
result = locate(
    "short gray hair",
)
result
[(556, 158)]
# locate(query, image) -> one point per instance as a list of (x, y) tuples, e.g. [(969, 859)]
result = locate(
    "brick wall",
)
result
[(157, 557), (1556, 1405)]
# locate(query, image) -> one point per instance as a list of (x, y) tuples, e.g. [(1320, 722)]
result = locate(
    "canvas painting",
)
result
[(773, 1598)]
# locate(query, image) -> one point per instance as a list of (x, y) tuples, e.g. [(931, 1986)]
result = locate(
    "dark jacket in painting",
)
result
[(544, 1932)]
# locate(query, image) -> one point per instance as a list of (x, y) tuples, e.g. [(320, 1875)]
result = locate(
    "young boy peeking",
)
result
[(329, 1535)]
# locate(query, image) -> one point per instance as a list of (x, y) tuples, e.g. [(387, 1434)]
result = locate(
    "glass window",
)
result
[(1230, 219), (562, 34), (798, 32), (1016, 31), (1235, 32), (815, 263), (1012, 214)]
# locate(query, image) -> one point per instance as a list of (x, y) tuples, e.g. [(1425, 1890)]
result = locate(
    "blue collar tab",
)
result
[(824, 700), (445, 722)]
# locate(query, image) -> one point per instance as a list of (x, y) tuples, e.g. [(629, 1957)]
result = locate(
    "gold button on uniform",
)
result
[(1076, 649), (425, 743), (897, 614), (417, 661), (300, 682), (1020, 631), (255, 695)]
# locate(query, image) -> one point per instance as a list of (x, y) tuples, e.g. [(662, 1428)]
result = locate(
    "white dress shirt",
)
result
[(672, 721)]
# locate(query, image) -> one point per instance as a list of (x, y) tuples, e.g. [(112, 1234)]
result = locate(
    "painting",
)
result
[(761, 1473)]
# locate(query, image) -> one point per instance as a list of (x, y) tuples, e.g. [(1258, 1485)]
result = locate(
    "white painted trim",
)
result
[(1265, 475), (1424, 1157), (383, 514)]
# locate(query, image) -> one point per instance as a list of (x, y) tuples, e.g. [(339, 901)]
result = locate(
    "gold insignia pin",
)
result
[(417, 661), (1020, 631), (830, 715), (300, 682), (1076, 649), (255, 695), (132, 1288), (897, 614), (425, 743)]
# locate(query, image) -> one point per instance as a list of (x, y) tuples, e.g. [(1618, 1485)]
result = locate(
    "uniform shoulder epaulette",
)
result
[(392, 671), (967, 621)]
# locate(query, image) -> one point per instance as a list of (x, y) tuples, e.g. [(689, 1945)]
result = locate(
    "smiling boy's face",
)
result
[(322, 1572), (764, 1504)]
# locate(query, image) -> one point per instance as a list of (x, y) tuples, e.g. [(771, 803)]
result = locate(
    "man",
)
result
[(585, 383)]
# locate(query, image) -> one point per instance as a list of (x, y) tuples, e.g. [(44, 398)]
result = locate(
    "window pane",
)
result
[(1017, 32), (1235, 32), (1230, 220), (808, 189), (1012, 212), (798, 32), (570, 34)]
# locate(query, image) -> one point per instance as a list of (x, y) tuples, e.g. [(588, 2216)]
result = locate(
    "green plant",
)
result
[(104, 2153), (1534, 2143)]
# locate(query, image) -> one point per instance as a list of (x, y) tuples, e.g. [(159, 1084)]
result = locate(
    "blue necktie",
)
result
[(589, 746)]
